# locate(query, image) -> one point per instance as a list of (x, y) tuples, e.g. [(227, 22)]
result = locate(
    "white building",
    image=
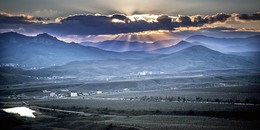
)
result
[(46, 91), (52, 94), (85, 94), (145, 73), (99, 92), (64, 90), (126, 89), (73, 94)]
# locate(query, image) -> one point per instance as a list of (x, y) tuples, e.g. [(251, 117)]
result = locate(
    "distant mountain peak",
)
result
[(198, 37), (174, 48), (183, 42), (12, 34), (46, 36), (198, 49)]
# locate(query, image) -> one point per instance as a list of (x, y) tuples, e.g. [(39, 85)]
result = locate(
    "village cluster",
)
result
[(62, 93)]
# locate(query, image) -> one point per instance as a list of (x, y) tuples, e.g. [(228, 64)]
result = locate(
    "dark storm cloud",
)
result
[(98, 24), (248, 17), (6, 18), (185, 21), (165, 22), (103, 24), (220, 17), (164, 19), (200, 21), (218, 29), (106, 24), (120, 17)]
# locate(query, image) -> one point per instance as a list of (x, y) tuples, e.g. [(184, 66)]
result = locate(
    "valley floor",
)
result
[(226, 102), (61, 114)]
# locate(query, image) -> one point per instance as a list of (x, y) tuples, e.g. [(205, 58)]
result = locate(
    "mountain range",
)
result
[(59, 58), (45, 50), (191, 59), (168, 50), (123, 46), (225, 45), (228, 45)]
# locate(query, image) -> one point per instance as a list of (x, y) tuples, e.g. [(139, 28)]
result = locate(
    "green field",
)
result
[(142, 105)]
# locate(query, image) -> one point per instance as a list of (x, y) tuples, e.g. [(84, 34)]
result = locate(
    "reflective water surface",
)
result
[(22, 111)]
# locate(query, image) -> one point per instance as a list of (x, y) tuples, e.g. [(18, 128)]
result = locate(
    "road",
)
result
[(56, 110)]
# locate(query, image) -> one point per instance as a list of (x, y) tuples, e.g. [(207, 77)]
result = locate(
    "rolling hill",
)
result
[(194, 58), (123, 46), (228, 45), (199, 57)]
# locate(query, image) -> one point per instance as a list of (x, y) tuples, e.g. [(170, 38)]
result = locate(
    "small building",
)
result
[(126, 89), (52, 94), (64, 90), (46, 91), (73, 94), (99, 92), (85, 94)]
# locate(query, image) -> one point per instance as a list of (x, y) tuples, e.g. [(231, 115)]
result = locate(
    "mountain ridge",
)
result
[(228, 45), (174, 48), (45, 50)]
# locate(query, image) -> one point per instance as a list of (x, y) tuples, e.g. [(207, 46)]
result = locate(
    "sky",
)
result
[(150, 20)]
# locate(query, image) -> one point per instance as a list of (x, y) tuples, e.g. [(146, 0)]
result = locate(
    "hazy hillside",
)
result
[(122, 46), (194, 58), (168, 50), (198, 57), (228, 44), (74, 59)]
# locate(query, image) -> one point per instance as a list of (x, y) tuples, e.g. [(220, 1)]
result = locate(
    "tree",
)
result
[(179, 99)]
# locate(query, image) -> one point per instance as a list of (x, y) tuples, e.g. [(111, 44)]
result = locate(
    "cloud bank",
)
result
[(97, 24), (120, 23), (6, 18), (248, 17)]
